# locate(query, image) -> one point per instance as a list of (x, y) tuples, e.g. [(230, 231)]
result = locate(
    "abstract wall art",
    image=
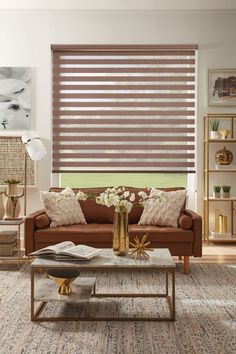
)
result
[(222, 87), (15, 105)]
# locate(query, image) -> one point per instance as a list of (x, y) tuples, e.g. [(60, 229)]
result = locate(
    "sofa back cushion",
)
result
[(164, 212), (93, 212), (96, 213)]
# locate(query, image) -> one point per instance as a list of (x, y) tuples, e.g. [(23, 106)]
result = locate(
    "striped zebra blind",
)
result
[(124, 108)]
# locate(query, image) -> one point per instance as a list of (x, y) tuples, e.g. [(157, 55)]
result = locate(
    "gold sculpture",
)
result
[(224, 133), (223, 156), (140, 247)]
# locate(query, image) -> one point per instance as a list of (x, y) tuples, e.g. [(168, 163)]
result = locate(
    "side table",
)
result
[(18, 223)]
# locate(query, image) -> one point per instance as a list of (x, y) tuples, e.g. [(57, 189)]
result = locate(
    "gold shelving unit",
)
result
[(209, 171)]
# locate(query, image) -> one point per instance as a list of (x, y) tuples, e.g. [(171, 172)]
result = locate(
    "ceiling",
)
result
[(118, 5)]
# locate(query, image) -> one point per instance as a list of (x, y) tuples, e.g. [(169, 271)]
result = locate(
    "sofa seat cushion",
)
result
[(81, 233), (103, 233), (162, 234)]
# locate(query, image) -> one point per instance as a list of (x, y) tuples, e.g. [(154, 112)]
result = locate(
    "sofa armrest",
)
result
[(29, 230), (197, 230)]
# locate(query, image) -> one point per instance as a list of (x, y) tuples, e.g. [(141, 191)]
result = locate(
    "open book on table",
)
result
[(67, 250)]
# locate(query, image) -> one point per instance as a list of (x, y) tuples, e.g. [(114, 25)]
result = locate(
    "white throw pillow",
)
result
[(63, 208), (165, 212)]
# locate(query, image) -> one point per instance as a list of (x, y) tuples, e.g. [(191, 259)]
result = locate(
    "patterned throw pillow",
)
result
[(165, 212), (63, 208)]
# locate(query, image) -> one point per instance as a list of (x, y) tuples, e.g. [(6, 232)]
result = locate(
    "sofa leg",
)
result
[(186, 264), (180, 258)]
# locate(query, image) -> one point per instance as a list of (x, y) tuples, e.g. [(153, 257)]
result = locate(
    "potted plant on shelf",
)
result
[(214, 125), (216, 191), (226, 191)]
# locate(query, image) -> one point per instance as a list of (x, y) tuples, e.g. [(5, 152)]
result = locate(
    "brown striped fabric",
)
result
[(124, 108)]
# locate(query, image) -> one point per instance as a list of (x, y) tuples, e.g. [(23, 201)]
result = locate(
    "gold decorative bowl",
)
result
[(63, 277)]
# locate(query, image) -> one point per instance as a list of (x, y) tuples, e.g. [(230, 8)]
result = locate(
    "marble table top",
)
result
[(159, 258)]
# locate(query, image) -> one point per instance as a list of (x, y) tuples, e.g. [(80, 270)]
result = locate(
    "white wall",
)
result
[(26, 36)]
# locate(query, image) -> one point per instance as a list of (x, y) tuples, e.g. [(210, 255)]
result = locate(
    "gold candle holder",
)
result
[(222, 224)]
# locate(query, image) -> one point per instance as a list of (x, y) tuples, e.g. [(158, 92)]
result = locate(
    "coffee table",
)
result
[(159, 260)]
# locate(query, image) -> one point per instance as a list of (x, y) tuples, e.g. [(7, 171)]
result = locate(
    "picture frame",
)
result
[(222, 87), (15, 98), (12, 153)]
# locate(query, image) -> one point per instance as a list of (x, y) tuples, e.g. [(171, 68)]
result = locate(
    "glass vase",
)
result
[(120, 234)]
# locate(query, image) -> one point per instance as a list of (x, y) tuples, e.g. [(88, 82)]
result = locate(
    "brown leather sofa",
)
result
[(186, 240)]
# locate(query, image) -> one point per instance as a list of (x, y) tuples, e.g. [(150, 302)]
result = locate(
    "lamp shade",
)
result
[(34, 146)]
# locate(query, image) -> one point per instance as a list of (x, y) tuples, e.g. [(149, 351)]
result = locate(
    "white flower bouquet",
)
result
[(119, 197), (144, 197)]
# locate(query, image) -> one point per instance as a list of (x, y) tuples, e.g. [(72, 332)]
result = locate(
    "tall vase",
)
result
[(120, 234), (2, 209), (12, 211)]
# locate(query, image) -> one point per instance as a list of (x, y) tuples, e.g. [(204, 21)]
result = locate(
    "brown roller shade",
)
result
[(124, 108)]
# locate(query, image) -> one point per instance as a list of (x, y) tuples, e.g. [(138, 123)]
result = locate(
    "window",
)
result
[(124, 108)]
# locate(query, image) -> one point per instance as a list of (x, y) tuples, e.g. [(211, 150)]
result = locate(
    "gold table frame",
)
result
[(35, 313)]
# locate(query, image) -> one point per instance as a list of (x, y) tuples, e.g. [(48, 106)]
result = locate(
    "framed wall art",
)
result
[(15, 105), (222, 87), (12, 161)]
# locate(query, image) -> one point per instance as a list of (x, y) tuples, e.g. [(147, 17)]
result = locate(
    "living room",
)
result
[(173, 52)]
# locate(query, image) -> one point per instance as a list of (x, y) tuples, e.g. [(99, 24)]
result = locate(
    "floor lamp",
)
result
[(36, 150)]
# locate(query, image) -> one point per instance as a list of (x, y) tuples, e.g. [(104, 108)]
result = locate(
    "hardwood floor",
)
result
[(210, 254), (217, 254)]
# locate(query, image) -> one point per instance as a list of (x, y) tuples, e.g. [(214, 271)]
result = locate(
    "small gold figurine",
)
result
[(140, 247), (224, 133)]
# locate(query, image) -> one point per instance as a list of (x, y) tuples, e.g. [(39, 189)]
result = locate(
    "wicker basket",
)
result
[(7, 236), (7, 249)]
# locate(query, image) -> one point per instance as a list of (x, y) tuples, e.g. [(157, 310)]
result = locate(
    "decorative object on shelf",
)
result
[(63, 277), (216, 191), (36, 150), (224, 133), (2, 208), (226, 191), (223, 156), (217, 213), (12, 204), (222, 224), (15, 98), (222, 87), (140, 247), (214, 125), (120, 233)]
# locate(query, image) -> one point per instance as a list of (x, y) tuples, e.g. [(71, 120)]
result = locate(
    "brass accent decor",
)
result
[(140, 247), (13, 204), (222, 224), (63, 277), (224, 156), (120, 234), (224, 133)]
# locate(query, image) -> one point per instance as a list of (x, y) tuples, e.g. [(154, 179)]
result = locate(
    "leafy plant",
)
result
[(11, 181), (214, 124), (226, 189), (217, 189)]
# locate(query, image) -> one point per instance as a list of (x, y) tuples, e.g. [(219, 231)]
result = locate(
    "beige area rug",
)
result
[(205, 304)]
